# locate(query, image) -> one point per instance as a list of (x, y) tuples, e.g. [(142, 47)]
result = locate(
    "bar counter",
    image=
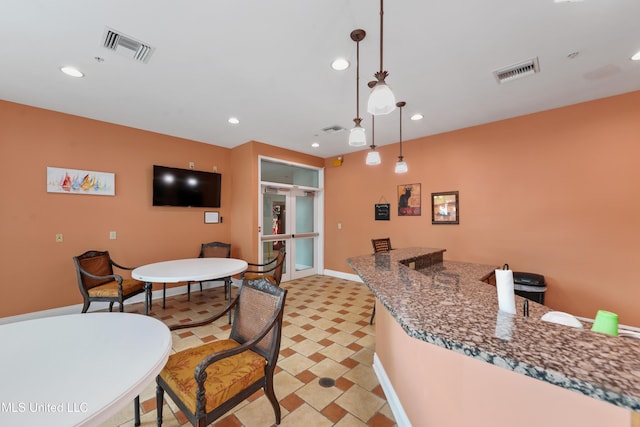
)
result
[(450, 305)]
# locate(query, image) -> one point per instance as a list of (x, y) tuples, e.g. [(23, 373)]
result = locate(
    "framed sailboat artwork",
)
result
[(75, 181)]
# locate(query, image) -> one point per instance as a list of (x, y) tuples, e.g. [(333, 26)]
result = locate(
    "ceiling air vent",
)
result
[(126, 46), (516, 71), (333, 129)]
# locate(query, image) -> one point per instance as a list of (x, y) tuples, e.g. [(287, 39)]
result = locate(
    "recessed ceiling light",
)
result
[(417, 117), (71, 71), (636, 57), (340, 64), (315, 145), (233, 120)]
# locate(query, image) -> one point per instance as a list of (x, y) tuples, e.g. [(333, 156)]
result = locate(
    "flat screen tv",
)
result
[(185, 187)]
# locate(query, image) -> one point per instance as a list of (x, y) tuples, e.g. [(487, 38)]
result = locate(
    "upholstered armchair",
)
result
[(206, 381), (97, 281), (270, 270)]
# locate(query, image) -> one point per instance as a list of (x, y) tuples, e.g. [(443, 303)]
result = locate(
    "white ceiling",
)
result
[(267, 62)]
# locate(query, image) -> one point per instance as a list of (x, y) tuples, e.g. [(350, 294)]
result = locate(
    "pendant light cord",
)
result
[(381, 33)]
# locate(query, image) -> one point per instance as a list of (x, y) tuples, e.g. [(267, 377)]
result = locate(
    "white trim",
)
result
[(392, 398), (341, 275), (98, 306)]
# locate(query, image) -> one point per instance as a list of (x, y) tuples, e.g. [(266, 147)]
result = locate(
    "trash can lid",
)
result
[(531, 279)]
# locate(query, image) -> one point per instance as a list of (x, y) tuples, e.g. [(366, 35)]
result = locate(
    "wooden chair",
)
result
[(97, 281), (214, 250), (379, 245), (270, 270), (205, 382), (207, 250)]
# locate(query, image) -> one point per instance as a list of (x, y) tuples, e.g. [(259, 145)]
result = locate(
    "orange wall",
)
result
[(554, 193), (38, 273), (244, 160)]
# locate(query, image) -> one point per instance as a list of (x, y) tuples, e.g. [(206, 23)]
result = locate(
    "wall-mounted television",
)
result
[(185, 187)]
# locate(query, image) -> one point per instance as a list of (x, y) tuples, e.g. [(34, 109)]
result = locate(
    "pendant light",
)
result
[(357, 137), (381, 100), (401, 165), (373, 157)]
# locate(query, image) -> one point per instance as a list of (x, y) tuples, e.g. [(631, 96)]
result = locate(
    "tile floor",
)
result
[(326, 334)]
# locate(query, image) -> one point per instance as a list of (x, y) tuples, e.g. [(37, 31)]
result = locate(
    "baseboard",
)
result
[(341, 275), (99, 306), (392, 398)]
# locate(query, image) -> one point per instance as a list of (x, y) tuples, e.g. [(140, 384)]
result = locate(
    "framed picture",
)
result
[(445, 208), (75, 181), (409, 200), (211, 217)]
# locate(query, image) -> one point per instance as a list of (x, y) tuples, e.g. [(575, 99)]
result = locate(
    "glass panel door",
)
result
[(289, 221)]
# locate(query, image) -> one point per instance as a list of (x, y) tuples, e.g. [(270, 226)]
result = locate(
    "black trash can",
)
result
[(530, 286)]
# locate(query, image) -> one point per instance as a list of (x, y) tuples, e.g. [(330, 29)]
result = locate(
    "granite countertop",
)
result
[(447, 304)]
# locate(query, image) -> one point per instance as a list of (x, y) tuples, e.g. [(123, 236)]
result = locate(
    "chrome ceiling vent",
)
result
[(126, 46), (333, 129), (516, 71)]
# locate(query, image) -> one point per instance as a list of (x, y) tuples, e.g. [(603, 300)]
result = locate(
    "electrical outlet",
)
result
[(192, 165), (339, 226), (112, 235), (59, 238)]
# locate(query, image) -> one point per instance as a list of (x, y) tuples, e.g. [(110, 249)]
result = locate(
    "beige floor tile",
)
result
[(337, 352), (342, 338), (307, 347), (317, 396), (258, 413), (284, 384), (295, 364), (350, 421), (364, 376), (305, 416), (360, 402), (329, 368)]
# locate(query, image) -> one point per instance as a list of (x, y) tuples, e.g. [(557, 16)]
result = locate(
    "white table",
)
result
[(187, 270), (79, 369)]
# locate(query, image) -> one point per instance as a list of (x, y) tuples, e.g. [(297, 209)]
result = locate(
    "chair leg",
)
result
[(86, 305), (200, 286), (121, 305), (188, 291), (159, 404), (111, 306), (136, 410), (373, 314), (164, 295), (271, 395)]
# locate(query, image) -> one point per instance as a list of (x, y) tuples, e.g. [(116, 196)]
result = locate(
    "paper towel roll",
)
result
[(504, 286)]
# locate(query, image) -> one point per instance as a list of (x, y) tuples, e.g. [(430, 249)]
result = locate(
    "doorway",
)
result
[(289, 216)]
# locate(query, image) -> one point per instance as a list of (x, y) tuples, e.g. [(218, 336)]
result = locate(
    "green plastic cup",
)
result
[(606, 322)]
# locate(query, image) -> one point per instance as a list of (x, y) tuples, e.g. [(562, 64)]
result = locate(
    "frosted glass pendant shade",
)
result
[(401, 167), (373, 158), (381, 101), (357, 137)]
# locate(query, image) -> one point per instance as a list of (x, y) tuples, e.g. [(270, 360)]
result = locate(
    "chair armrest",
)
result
[(200, 374), (121, 267), (116, 277), (262, 265), (208, 319)]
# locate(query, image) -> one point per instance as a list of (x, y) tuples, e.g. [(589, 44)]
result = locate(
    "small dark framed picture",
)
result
[(445, 208)]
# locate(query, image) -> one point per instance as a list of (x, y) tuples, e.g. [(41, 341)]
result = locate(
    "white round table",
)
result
[(79, 369), (187, 270), (190, 269)]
